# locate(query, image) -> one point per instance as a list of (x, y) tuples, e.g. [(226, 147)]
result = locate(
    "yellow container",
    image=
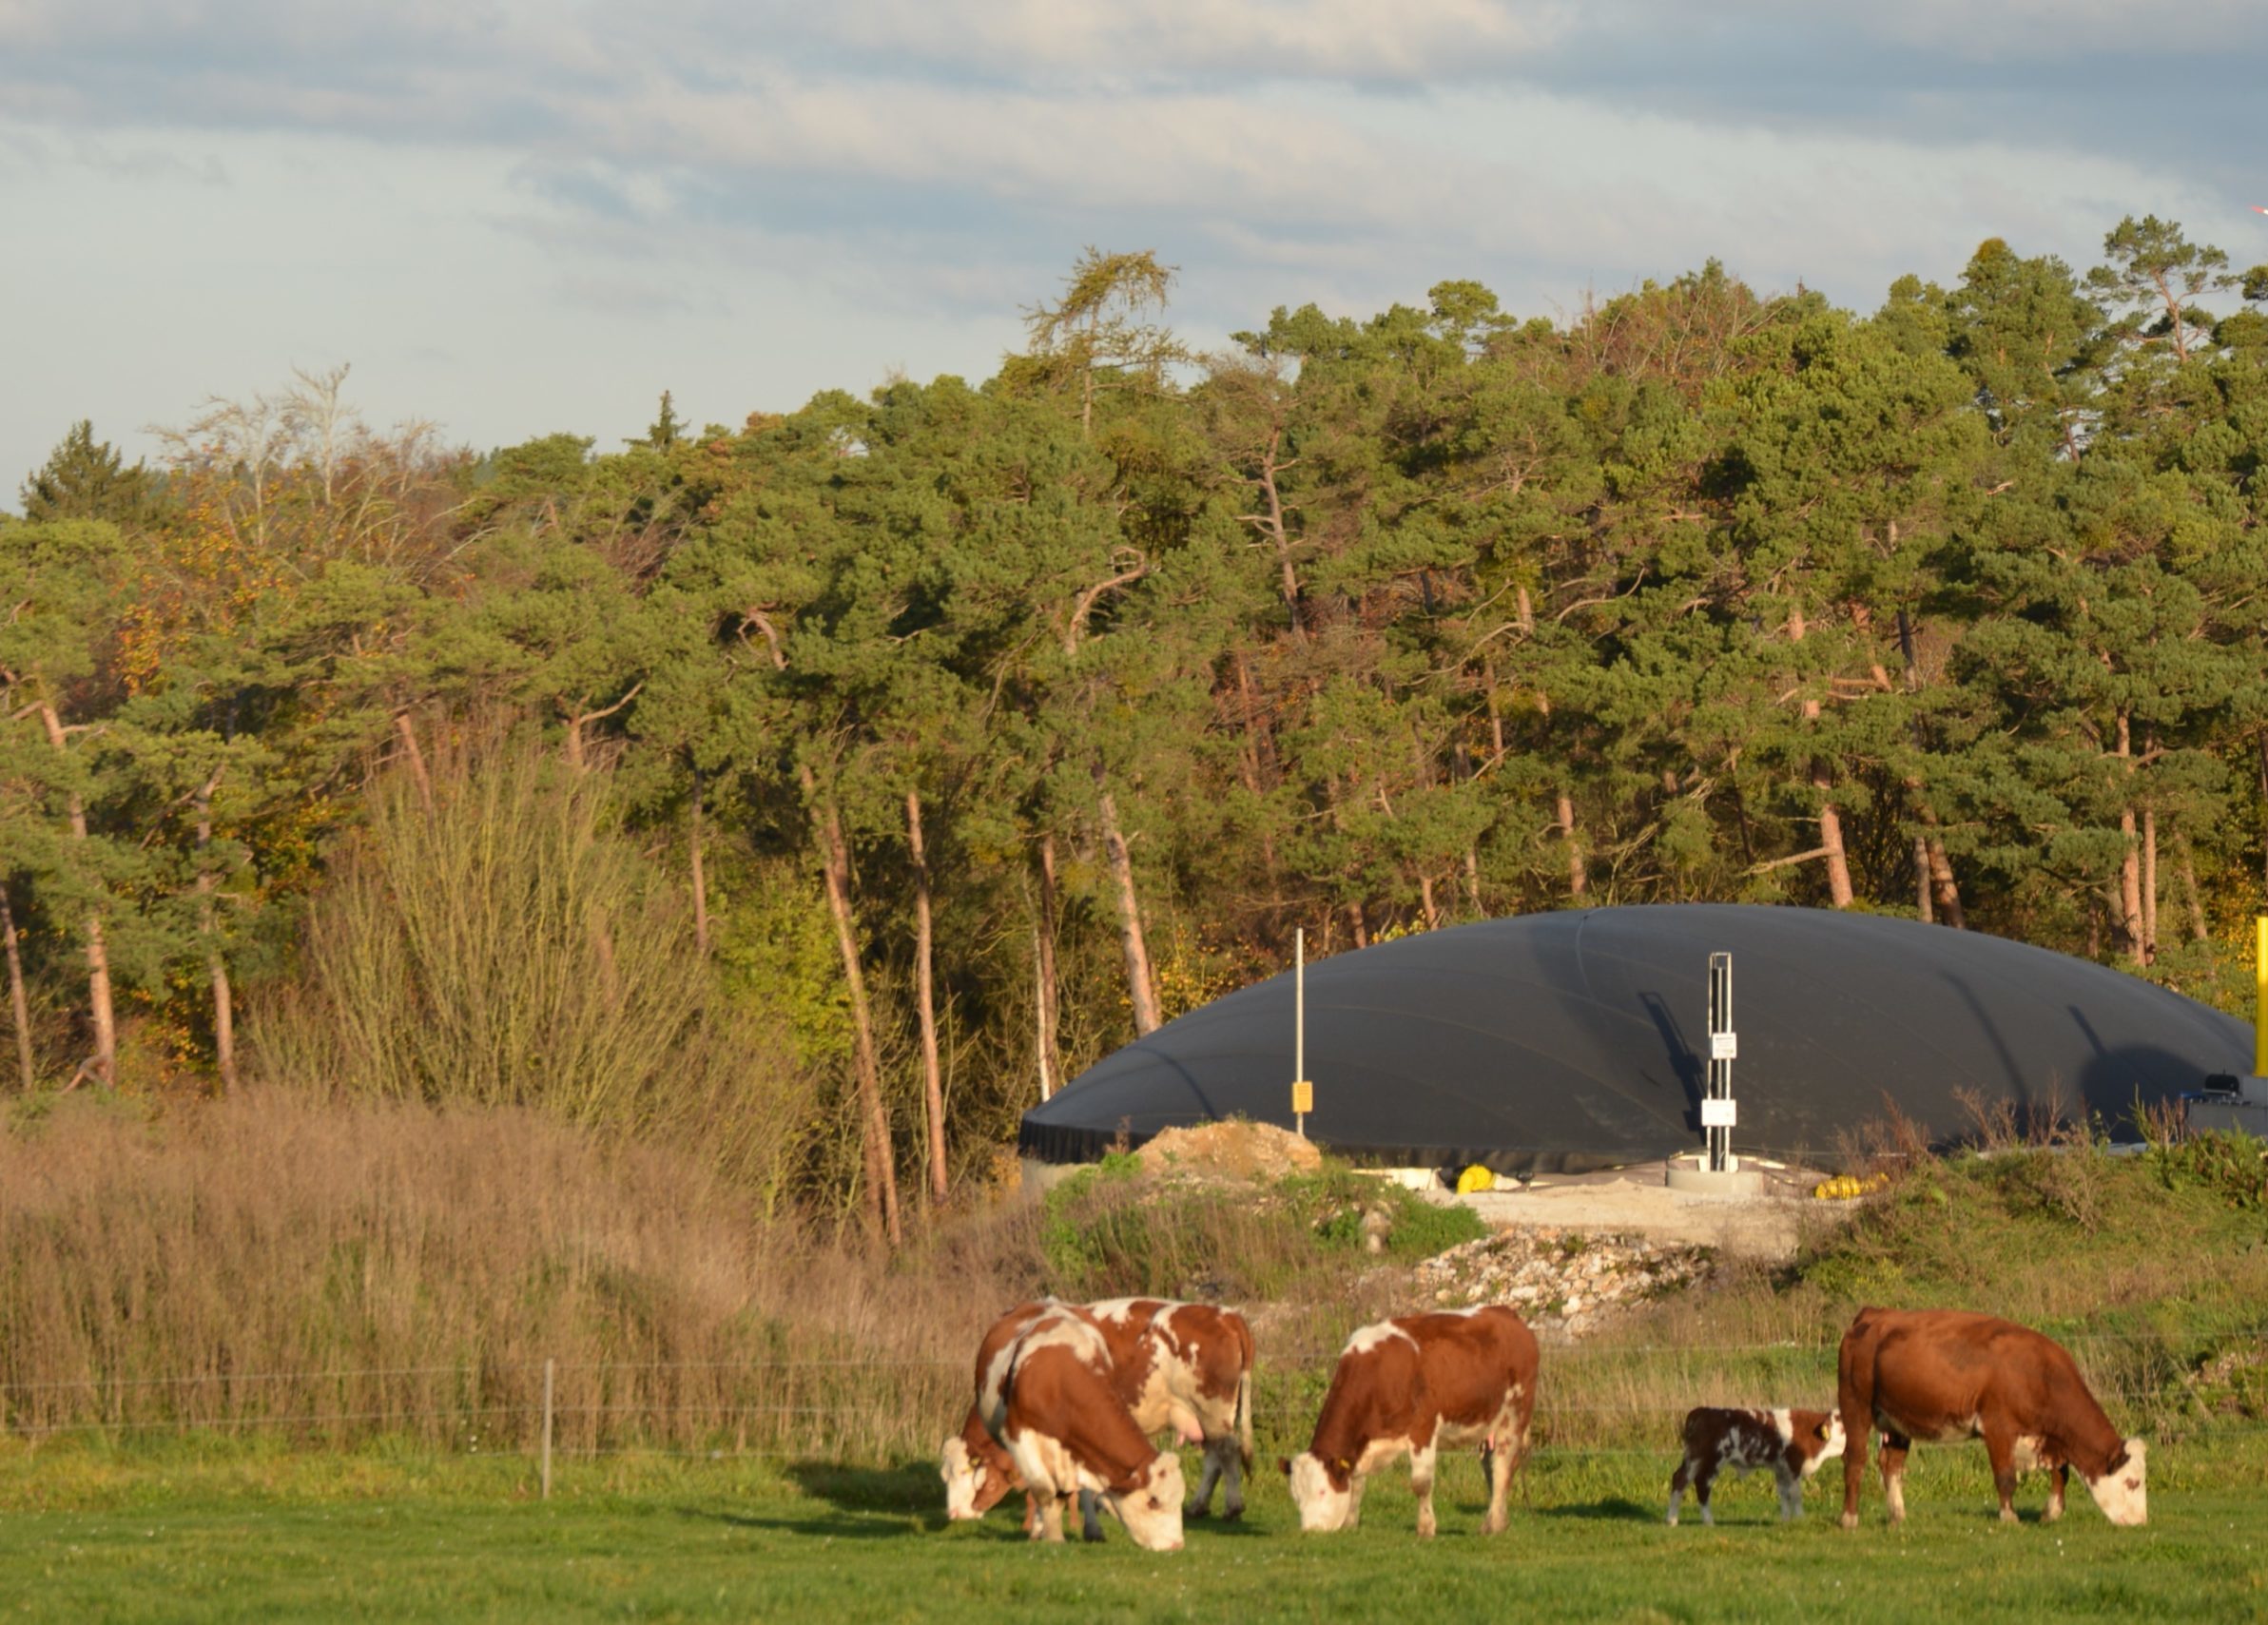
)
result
[(1475, 1178)]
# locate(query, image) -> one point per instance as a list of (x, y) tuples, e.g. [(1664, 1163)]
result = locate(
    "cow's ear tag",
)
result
[(1824, 1434), (1344, 1464)]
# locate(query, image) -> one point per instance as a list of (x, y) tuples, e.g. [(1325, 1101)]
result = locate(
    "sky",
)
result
[(513, 218)]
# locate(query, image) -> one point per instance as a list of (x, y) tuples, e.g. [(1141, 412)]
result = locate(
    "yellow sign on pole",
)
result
[(1303, 1098), (2259, 974)]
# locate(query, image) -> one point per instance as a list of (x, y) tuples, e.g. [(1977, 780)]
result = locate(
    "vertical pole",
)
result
[(1720, 1070), (2259, 976), (550, 1369), (1299, 1017)]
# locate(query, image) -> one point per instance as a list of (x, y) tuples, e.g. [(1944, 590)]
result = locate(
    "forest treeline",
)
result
[(826, 788)]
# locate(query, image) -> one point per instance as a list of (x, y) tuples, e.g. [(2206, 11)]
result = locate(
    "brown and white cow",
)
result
[(1184, 1366), (1417, 1384), (1943, 1375), (1791, 1444), (1049, 1399), (1187, 1367)]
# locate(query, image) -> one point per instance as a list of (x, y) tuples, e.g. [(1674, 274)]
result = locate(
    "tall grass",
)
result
[(505, 947)]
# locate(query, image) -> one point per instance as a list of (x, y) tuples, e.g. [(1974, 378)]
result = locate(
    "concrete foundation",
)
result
[(1698, 1181)]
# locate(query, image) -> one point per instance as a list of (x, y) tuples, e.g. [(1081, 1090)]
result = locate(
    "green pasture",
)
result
[(189, 1532)]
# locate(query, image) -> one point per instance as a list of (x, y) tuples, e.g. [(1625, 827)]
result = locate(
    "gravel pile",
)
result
[(1565, 1283)]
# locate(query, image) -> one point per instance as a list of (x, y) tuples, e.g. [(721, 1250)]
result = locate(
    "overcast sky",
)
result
[(515, 218)]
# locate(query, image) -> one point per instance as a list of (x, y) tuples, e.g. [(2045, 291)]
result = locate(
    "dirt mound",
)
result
[(1230, 1150)]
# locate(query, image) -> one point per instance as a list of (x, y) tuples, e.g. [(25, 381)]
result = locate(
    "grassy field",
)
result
[(231, 1533)]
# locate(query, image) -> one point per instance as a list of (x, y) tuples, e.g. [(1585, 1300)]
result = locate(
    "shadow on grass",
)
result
[(1616, 1509), (911, 1487)]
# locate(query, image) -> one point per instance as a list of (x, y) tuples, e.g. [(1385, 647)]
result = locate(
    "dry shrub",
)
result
[(337, 1271), (507, 948)]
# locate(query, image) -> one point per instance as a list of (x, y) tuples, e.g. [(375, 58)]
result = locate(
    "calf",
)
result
[(1049, 1400), (1417, 1384), (1792, 1444), (1941, 1375)]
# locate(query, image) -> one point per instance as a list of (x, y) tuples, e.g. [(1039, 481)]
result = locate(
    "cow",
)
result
[(1187, 1367), (1792, 1444), (1943, 1375), (1417, 1384), (1184, 1366), (977, 1471), (1047, 1398)]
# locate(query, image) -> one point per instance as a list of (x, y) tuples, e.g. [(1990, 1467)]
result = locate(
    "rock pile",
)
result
[(1564, 1282)]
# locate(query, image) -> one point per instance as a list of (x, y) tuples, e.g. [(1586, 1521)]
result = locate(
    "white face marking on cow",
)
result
[(1322, 1505), (2123, 1492), (1151, 1510), (1833, 1447), (961, 1475), (1371, 1336)]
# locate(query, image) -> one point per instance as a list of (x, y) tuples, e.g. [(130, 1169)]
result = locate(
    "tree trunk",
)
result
[(1940, 868), (1142, 989), (700, 877), (1921, 880), (103, 1063), (1472, 880), (2198, 929), (1425, 899), (223, 996), (933, 1079), (1043, 960), (2149, 886), (407, 732), (2130, 900), (19, 1006), (881, 1162), (1362, 927), (1830, 821)]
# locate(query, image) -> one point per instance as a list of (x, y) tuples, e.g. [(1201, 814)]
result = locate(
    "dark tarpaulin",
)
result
[(1563, 1042)]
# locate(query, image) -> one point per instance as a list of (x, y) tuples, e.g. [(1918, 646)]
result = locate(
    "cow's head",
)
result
[(1149, 1503), (2123, 1490), (1322, 1490), (1824, 1441), (973, 1485)]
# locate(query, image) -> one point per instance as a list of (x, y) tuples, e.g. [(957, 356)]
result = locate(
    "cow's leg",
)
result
[(1679, 1480), (2057, 1479), (1354, 1502), (1090, 1524), (1791, 1496), (1049, 1524), (1200, 1504), (2000, 1449), (1420, 1484), (1856, 1401), (1704, 1481), (1496, 1466), (1231, 1459), (1894, 1446)]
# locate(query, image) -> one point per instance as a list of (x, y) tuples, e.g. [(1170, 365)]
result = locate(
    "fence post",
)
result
[(550, 1367)]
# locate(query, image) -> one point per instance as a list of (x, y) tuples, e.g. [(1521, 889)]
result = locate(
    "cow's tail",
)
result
[(1243, 1403)]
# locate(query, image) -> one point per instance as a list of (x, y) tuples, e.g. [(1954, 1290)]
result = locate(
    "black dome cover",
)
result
[(1568, 1041)]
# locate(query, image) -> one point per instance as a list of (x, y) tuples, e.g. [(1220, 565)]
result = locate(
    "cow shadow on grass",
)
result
[(910, 1487), (1613, 1509)]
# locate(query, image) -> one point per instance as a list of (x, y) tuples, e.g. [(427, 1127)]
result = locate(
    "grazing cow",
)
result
[(977, 1471), (1941, 1375), (1049, 1399), (1187, 1367), (1184, 1366), (1417, 1384), (1792, 1444)]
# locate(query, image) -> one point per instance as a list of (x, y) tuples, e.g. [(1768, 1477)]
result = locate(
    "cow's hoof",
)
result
[(2008, 1515), (1851, 1521), (1233, 1512), (1193, 1510), (1493, 1526)]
